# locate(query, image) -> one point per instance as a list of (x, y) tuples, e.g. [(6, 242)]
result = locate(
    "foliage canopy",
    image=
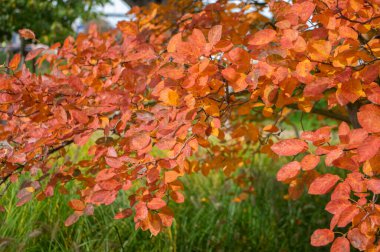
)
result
[(186, 87)]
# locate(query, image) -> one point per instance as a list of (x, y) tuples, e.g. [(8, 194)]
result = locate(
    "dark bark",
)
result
[(352, 109), (325, 113), (142, 2)]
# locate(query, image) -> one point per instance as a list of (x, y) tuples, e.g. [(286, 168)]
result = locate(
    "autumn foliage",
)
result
[(186, 87)]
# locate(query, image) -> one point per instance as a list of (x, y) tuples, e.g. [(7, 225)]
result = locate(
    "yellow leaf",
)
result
[(319, 50), (169, 97)]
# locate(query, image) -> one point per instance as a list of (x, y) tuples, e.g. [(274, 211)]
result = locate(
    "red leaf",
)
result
[(289, 147), (369, 118), (341, 191), (356, 137), (374, 185), (89, 210), (197, 38), (27, 34), (110, 184), (177, 197), (343, 132), (79, 116), (32, 54), (318, 137), (103, 197), (323, 184), (305, 10), (357, 182), (322, 237), (289, 171), (173, 43), (309, 162), (369, 148), (373, 93), (114, 162), (166, 216), (123, 214), (141, 211), (154, 224), (72, 219), (25, 199), (156, 203), (341, 244), (262, 37), (347, 215), (332, 156), (6, 98), (337, 206), (105, 175), (359, 240), (152, 175), (140, 141)]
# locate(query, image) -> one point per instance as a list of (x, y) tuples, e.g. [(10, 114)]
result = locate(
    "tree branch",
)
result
[(20, 166), (326, 113)]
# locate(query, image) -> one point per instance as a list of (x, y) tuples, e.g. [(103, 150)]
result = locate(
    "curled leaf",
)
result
[(27, 34)]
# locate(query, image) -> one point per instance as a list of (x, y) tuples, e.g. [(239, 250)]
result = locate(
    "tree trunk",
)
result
[(352, 109)]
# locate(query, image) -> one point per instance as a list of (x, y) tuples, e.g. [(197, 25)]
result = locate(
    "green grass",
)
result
[(208, 221)]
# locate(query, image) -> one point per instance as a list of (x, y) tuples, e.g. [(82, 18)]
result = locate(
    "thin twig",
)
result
[(118, 235)]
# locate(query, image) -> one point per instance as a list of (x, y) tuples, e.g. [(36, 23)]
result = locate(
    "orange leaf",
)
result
[(309, 162), (32, 54), (359, 240), (77, 205), (347, 215), (110, 185), (154, 224), (289, 147), (171, 176), (114, 162), (169, 96), (27, 34), (289, 171), (262, 37), (319, 50), (303, 70), (323, 184), (166, 216), (368, 148), (374, 185), (13, 64), (141, 211), (173, 43), (71, 219), (177, 197), (140, 141), (369, 118), (156, 203), (322, 237), (123, 214), (215, 34), (341, 244), (347, 32)]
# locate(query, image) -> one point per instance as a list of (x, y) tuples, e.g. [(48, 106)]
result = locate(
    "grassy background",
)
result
[(208, 221)]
